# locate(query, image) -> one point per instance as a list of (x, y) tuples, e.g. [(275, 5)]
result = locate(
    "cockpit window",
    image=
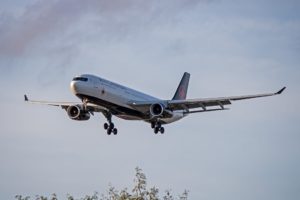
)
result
[(80, 79)]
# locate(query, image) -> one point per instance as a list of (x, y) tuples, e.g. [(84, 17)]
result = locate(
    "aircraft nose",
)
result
[(74, 87)]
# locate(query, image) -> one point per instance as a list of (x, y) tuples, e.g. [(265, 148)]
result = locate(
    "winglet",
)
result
[(280, 91), (26, 98)]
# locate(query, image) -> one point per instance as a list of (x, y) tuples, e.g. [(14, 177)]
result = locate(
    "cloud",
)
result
[(45, 20)]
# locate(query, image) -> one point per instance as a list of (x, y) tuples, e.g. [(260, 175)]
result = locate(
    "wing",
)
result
[(204, 104), (64, 105)]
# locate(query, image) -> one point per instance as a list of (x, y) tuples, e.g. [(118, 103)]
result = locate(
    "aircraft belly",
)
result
[(129, 117), (176, 116)]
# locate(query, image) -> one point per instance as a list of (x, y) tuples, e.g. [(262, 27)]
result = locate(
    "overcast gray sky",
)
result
[(230, 47)]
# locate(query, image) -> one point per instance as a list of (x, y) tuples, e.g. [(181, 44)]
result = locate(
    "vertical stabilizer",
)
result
[(182, 89)]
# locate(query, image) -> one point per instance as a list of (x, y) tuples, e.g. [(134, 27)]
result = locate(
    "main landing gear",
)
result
[(110, 127), (156, 126)]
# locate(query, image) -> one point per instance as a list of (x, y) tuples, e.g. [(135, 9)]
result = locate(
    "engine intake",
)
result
[(157, 110), (77, 113)]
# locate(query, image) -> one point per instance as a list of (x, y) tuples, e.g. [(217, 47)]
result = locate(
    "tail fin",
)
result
[(183, 87)]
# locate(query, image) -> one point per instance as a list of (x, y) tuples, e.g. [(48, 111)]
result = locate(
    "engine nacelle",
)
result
[(157, 110), (77, 113)]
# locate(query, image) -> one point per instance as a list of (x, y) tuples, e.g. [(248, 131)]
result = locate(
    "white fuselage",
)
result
[(111, 95)]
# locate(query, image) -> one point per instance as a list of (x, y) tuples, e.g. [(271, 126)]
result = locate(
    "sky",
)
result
[(230, 48)]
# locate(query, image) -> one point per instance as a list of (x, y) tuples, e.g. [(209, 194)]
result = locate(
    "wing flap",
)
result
[(198, 103)]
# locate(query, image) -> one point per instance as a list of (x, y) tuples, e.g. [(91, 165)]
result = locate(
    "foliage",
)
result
[(139, 192)]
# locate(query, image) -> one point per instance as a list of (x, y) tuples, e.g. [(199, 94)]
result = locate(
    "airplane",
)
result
[(112, 99)]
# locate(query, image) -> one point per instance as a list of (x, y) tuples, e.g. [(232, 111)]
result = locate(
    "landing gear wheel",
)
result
[(115, 131), (157, 127), (109, 131), (162, 130), (106, 126)]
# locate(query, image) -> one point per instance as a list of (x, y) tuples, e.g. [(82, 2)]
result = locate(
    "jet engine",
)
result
[(77, 113), (158, 110)]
